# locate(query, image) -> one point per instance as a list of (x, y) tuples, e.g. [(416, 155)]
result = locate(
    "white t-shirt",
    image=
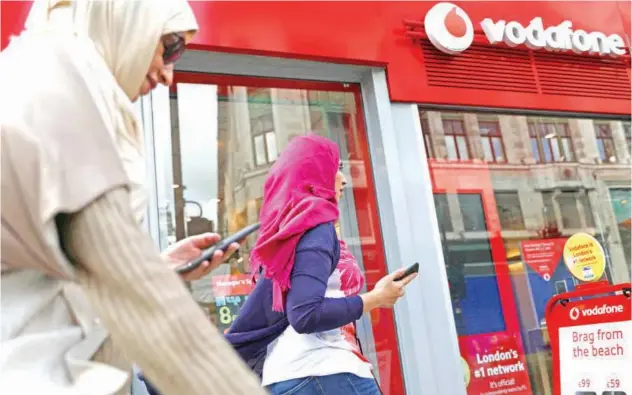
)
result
[(295, 355)]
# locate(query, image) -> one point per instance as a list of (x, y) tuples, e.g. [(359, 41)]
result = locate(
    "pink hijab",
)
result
[(299, 194)]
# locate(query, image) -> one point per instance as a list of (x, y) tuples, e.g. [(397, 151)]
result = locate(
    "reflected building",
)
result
[(255, 125), (568, 175), (225, 138), (501, 180)]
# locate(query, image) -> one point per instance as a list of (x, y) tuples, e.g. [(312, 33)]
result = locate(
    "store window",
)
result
[(225, 134), (550, 141), (488, 215), (605, 143)]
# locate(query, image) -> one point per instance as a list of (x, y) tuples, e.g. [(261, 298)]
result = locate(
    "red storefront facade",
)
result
[(376, 34), (446, 152)]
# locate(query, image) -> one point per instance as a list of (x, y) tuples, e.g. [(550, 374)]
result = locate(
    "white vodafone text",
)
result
[(553, 38)]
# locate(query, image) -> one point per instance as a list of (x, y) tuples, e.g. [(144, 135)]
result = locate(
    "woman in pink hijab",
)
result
[(297, 329)]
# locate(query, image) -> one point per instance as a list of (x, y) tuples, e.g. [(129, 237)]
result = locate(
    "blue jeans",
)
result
[(334, 384)]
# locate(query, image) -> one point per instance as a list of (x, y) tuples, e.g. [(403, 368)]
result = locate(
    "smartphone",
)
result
[(412, 269), (222, 245)]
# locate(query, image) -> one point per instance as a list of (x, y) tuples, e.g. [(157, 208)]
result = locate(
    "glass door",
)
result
[(215, 138)]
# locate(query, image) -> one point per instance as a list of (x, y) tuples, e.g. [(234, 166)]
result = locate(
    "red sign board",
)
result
[(231, 292), (232, 284), (591, 339), (375, 36), (495, 364), (543, 256)]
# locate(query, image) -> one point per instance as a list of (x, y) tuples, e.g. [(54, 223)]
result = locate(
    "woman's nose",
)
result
[(166, 75)]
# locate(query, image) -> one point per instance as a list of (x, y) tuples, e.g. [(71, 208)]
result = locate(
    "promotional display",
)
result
[(591, 339), (231, 292), (494, 363), (584, 257), (543, 256)]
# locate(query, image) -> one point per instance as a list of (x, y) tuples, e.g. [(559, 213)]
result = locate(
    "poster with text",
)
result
[(543, 256), (595, 347), (494, 363), (231, 292)]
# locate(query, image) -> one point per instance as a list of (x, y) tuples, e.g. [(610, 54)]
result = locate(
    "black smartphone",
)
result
[(412, 269), (222, 245)]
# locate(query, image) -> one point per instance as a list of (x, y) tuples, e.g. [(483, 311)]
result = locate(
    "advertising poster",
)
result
[(230, 292), (494, 363), (543, 256), (594, 346), (584, 256)]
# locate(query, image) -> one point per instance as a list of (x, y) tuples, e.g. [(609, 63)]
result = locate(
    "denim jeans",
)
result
[(335, 384)]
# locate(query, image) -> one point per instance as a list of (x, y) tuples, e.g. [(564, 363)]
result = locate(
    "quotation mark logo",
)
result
[(449, 28), (574, 313)]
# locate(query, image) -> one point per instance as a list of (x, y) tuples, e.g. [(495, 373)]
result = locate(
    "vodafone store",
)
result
[(477, 139)]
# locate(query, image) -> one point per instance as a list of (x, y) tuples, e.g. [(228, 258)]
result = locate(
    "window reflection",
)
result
[(628, 136), (492, 141), (224, 139), (551, 141), (605, 143), (525, 179), (455, 139), (509, 210)]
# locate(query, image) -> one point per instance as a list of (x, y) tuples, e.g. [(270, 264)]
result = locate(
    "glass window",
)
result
[(567, 202), (443, 212), (509, 211), (605, 143), (587, 212), (550, 141), (628, 136), (472, 212), (621, 202), (492, 141), (225, 133), (487, 216), (548, 209), (455, 139), (425, 129)]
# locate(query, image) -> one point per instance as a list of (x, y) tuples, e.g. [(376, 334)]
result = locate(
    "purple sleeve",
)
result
[(308, 310)]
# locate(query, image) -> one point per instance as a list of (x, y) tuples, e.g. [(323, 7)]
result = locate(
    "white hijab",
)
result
[(68, 135), (69, 132)]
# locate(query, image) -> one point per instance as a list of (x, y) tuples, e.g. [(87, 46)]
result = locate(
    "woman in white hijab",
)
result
[(72, 198)]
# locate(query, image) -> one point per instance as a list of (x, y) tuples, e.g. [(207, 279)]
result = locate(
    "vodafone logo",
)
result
[(575, 312), (449, 28)]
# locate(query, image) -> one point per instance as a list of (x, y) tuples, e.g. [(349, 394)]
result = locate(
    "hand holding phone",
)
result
[(222, 245), (412, 269), (389, 289)]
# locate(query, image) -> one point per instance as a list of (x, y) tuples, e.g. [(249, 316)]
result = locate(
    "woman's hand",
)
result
[(386, 292), (190, 248)]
